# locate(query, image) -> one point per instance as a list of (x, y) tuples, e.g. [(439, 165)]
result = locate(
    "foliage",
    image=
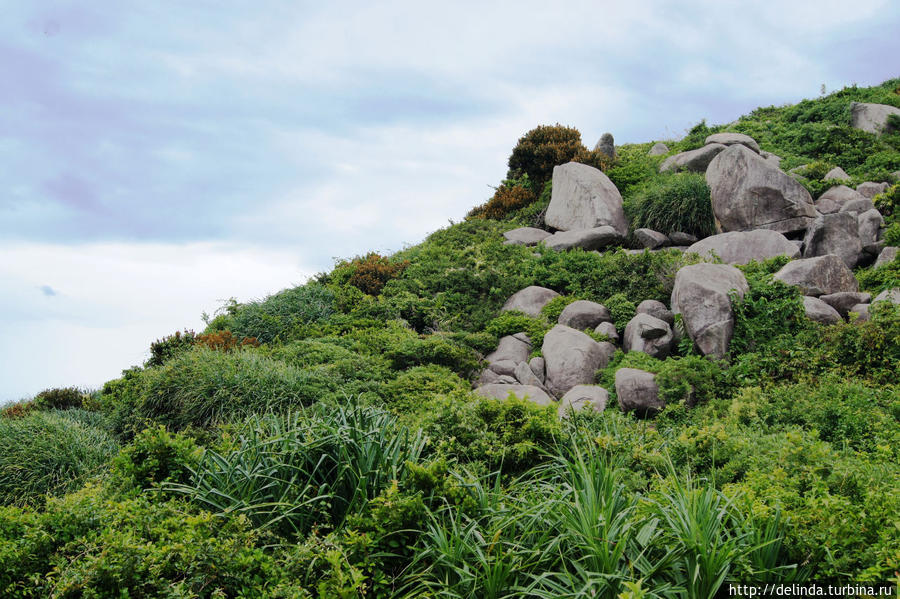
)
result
[(372, 272), (510, 196), (163, 349), (691, 379), (156, 456), (673, 203), (224, 341), (544, 147), (59, 399), (621, 309)]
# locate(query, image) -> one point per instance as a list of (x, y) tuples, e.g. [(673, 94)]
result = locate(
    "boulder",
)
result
[(608, 329), (487, 377), (681, 238), (836, 234), (859, 313), (583, 397), (509, 349), (648, 334), (749, 194), (583, 314), (836, 173), (572, 358), (729, 139), (525, 376), (582, 197), (888, 295), (870, 224), (771, 159), (702, 296), (651, 239), (844, 300), (588, 239), (740, 247), (656, 309), (606, 145), (818, 276), (537, 367), (872, 118), (501, 391), (819, 311), (870, 189), (694, 161), (637, 390), (887, 255), (858, 205), (827, 206), (525, 236), (841, 194), (658, 149), (530, 300)]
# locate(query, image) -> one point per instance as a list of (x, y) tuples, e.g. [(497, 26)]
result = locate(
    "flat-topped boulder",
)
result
[(836, 234), (648, 334), (682, 238), (636, 390), (694, 161), (747, 194), (837, 173), (819, 311), (503, 391), (872, 118), (740, 247), (870, 189), (572, 358), (587, 239), (582, 197), (651, 239), (841, 194), (859, 205), (702, 295), (530, 300), (584, 314), (730, 139), (842, 301), (583, 397), (525, 236), (818, 276), (658, 149)]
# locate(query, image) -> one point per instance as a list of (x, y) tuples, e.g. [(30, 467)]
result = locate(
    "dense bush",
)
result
[(59, 399), (509, 197), (163, 349), (371, 272), (542, 148), (673, 203), (157, 456)]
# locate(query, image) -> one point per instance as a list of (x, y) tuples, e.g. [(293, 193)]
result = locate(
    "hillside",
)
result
[(564, 395)]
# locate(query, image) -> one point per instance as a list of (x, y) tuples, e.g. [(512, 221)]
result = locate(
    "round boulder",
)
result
[(583, 397), (582, 197), (637, 390), (530, 300), (584, 314), (572, 358)]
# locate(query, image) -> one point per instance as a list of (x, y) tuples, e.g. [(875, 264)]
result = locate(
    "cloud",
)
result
[(48, 290)]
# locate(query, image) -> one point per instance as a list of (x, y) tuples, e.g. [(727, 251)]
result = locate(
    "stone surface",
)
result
[(608, 329), (583, 397), (525, 376), (844, 300), (858, 205), (870, 189), (588, 239), (658, 149), (870, 224), (740, 247), (827, 206), (694, 161), (888, 295), (502, 391), (487, 377), (572, 358), (887, 255), (871, 117), (582, 197), (836, 234), (584, 314), (530, 300), (841, 194), (651, 239), (537, 367), (819, 311), (525, 236), (818, 276), (702, 296), (729, 139), (656, 309), (836, 173), (749, 194), (502, 367), (772, 160), (606, 145), (509, 349), (681, 238), (648, 334), (859, 313), (637, 390)]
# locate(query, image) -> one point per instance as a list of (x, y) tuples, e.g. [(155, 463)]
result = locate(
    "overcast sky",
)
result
[(159, 157)]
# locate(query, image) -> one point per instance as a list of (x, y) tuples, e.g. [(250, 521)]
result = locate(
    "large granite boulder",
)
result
[(888, 295), (510, 348), (525, 236), (837, 173), (819, 311), (740, 247), (583, 397), (658, 149), (842, 301), (836, 234), (859, 313), (818, 276), (870, 189), (841, 194), (887, 255), (749, 194), (608, 329), (656, 309), (502, 391), (702, 295), (648, 334), (871, 117), (587, 239), (694, 161), (530, 300), (729, 139), (584, 314), (859, 205), (526, 376), (650, 239), (572, 358), (870, 224), (637, 390), (582, 197)]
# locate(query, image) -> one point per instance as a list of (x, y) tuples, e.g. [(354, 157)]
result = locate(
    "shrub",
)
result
[(546, 146), (769, 310), (433, 349), (672, 203), (163, 349), (224, 341), (415, 389), (691, 379), (157, 456), (372, 272), (59, 399), (507, 198), (621, 309)]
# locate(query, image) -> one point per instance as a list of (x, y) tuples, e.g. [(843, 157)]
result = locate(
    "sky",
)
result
[(158, 158)]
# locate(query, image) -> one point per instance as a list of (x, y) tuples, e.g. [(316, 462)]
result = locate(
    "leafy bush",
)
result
[(542, 148), (679, 202), (163, 349), (769, 310), (621, 309), (433, 349), (224, 341), (372, 272), (59, 399), (509, 197), (416, 388), (157, 456), (691, 379)]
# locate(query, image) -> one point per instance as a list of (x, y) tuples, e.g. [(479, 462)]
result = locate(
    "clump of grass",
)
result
[(673, 203)]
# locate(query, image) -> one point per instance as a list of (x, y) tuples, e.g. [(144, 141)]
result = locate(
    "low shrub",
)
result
[(157, 456), (163, 349), (542, 148), (373, 271), (59, 399), (691, 380), (508, 198)]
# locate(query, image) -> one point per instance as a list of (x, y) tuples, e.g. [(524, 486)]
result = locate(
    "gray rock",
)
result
[(748, 194), (771, 159), (887, 255), (729, 139), (648, 334), (583, 314), (872, 118), (740, 247), (658, 149), (588, 239), (858, 205), (888, 295), (859, 313), (836, 234), (487, 377), (525, 376), (841, 194), (523, 337), (873, 249), (702, 296), (572, 358), (819, 311), (844, 300), (694, 161), (608, 329), (818, 276), (681, 238), (509, 349), (501, 391), (828, 205), (637, 390), (530, 300), (501, 367), (582, 197), (525, 236), (870, 224), (537, 367), (606, 145), (656, 309), (836, 173), (870, 189), (651, 239), (583, 397), (507, 379)]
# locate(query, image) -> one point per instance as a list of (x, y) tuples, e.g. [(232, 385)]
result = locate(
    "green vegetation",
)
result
[(325, 442)]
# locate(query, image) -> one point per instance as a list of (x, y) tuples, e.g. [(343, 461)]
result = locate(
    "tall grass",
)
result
[(672, 203)]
